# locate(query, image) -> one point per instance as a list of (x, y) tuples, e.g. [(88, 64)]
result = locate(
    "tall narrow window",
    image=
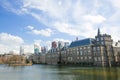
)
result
[(81, 53)]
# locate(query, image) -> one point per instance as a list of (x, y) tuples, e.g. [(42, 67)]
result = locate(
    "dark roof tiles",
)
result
[(83, 42)]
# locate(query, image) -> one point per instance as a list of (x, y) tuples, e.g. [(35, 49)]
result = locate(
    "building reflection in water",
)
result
[(97, 74), (51, 72)]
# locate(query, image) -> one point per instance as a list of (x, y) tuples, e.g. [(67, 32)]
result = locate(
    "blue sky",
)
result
[(25, 22)]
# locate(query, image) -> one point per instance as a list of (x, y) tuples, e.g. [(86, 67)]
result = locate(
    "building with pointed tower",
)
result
[(98, 51), (103, 50)]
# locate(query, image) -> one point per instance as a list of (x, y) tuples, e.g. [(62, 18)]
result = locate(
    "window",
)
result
[(94, 48), (101, 38), (81, 58), (84, 51), (98, 42), (99, 58), (77, 53), (70, 58), (88, 47), (80, 48), (81, 53), (95, 58), (89, 51), (98, 48), (98, 53), (77, 49), (85, 58), (77, 57), (97, 39), (84, 47), (102, 43), (90, 57), (67, 49)]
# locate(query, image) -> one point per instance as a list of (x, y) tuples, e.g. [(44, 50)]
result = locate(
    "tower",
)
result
[(103, 39), (60, 44), (104, 48), (98, 37), (21, 50), (98, 32), (54, 44), (36, 49)]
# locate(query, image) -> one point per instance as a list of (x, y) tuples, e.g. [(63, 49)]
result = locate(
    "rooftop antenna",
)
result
[(76, 38)]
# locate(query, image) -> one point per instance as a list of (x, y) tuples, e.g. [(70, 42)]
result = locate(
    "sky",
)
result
[(28, 22)]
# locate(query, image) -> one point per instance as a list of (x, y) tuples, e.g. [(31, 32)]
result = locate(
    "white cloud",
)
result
[(78, 11), (48, 45), (28, 48), (115, 3), (115, 18), (12, 6), (10, 42), (44, 32), (66, 28), (30, 27), (60, 39), (38, 17), (112, 30), (10, 39), (88, 30), (94, 18), (85, 29), (38, 42), (60, 14), (73, 17)]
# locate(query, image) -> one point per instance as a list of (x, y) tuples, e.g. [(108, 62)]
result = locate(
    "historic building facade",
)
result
[(98, 51)]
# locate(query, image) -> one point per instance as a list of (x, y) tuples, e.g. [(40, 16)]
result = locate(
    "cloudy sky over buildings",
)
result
[(25, 22)]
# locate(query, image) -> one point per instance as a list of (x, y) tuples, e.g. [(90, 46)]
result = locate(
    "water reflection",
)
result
[(97, 74), (51, 72)]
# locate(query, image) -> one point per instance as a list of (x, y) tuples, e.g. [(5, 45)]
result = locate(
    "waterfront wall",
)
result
[(11, 59)]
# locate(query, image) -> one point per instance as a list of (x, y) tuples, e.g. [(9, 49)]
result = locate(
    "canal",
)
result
[(52, 72)]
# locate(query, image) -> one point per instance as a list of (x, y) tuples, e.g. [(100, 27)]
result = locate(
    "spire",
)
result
[(98, 32)]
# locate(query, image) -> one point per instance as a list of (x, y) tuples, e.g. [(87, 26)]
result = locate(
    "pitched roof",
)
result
[(83, 42)]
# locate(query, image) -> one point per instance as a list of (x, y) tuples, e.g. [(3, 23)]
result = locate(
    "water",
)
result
[(52, 72)]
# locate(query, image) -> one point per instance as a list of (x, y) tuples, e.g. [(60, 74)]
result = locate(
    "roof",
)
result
[(83, 42)]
